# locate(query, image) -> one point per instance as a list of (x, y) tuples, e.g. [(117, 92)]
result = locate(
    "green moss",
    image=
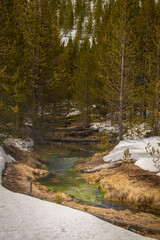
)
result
[(103, 191), (96, 184), (50, 188), (70, 169), (58, 199), (89, 180)]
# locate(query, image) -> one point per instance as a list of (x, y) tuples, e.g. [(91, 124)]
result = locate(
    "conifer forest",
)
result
[(100, 57)]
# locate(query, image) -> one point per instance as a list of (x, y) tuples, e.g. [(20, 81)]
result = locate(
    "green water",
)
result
[(63, 178)]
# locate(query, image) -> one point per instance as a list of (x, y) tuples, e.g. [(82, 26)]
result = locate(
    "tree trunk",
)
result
[(157, 89), (71, 140), (35, 84), (0, 24), (122, 83), (145, 77), (87, 105)]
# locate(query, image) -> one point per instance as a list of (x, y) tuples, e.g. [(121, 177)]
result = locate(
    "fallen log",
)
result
[(67, 140), (92, 170), (108, 165), (81, 133), (105, 165), (71, 129), (115, 164)]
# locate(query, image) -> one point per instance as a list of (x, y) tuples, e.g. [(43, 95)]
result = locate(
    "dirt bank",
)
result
[(29, 166)]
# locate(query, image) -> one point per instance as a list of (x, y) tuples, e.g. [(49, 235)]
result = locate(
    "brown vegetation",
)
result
[(16, 178), (142, 187)]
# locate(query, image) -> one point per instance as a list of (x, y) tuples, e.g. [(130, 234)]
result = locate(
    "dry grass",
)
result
[(142, 187), (115, 182)]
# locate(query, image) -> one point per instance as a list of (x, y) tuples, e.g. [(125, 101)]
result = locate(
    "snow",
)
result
[(138, 152), (73, 112), (65, 37), (105, 127), (23, 145), (24, 217), (4, 158), (136, 132)]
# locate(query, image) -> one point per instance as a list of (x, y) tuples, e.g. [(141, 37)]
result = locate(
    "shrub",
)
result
[(58, 199), (155, 153), (127, 161)]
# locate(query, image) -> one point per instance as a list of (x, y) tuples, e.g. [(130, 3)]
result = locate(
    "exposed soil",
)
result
[(29, 166)]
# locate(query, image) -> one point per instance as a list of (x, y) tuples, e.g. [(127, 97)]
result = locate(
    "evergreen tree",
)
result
[(98, 15), (78, 8), (157, 64), (10, 51), (70, 16), (38, 25), (85, 81), (62, 13), (145, 47), (117, 68)]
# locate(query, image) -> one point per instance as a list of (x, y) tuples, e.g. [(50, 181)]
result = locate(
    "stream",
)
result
[(63, 178)]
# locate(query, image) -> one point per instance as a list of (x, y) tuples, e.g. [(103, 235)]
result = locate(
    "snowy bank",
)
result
[(4, 158), (138, 152), (24, 217)]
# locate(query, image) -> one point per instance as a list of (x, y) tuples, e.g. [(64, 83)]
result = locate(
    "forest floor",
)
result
[(29, 166)]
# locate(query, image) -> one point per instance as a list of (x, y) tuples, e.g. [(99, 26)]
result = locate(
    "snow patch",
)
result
[(23, 145), (24, 217), (73, 112), (4, 158), (135, 132), (105, 127), (138, 131), (138, 152)]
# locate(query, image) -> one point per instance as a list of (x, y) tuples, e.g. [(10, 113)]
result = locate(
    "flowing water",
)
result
[(63, 178)]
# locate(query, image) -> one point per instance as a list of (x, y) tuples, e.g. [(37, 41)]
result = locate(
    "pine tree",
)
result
[(62, 13), (117, 68), (41, 43), (85, 81), (98, 15), (70, 15), (78, 8), (145, 47), (10, 51), (157, 57)]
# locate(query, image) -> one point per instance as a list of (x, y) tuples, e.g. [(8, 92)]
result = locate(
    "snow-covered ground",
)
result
[(135, 132), (106, 127), (138, 152), (4, 158), (23, 145), (24, 217), (73, 112)]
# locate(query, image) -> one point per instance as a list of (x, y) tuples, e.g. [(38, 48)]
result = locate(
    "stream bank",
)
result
[(28, 166), (142, 188)]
